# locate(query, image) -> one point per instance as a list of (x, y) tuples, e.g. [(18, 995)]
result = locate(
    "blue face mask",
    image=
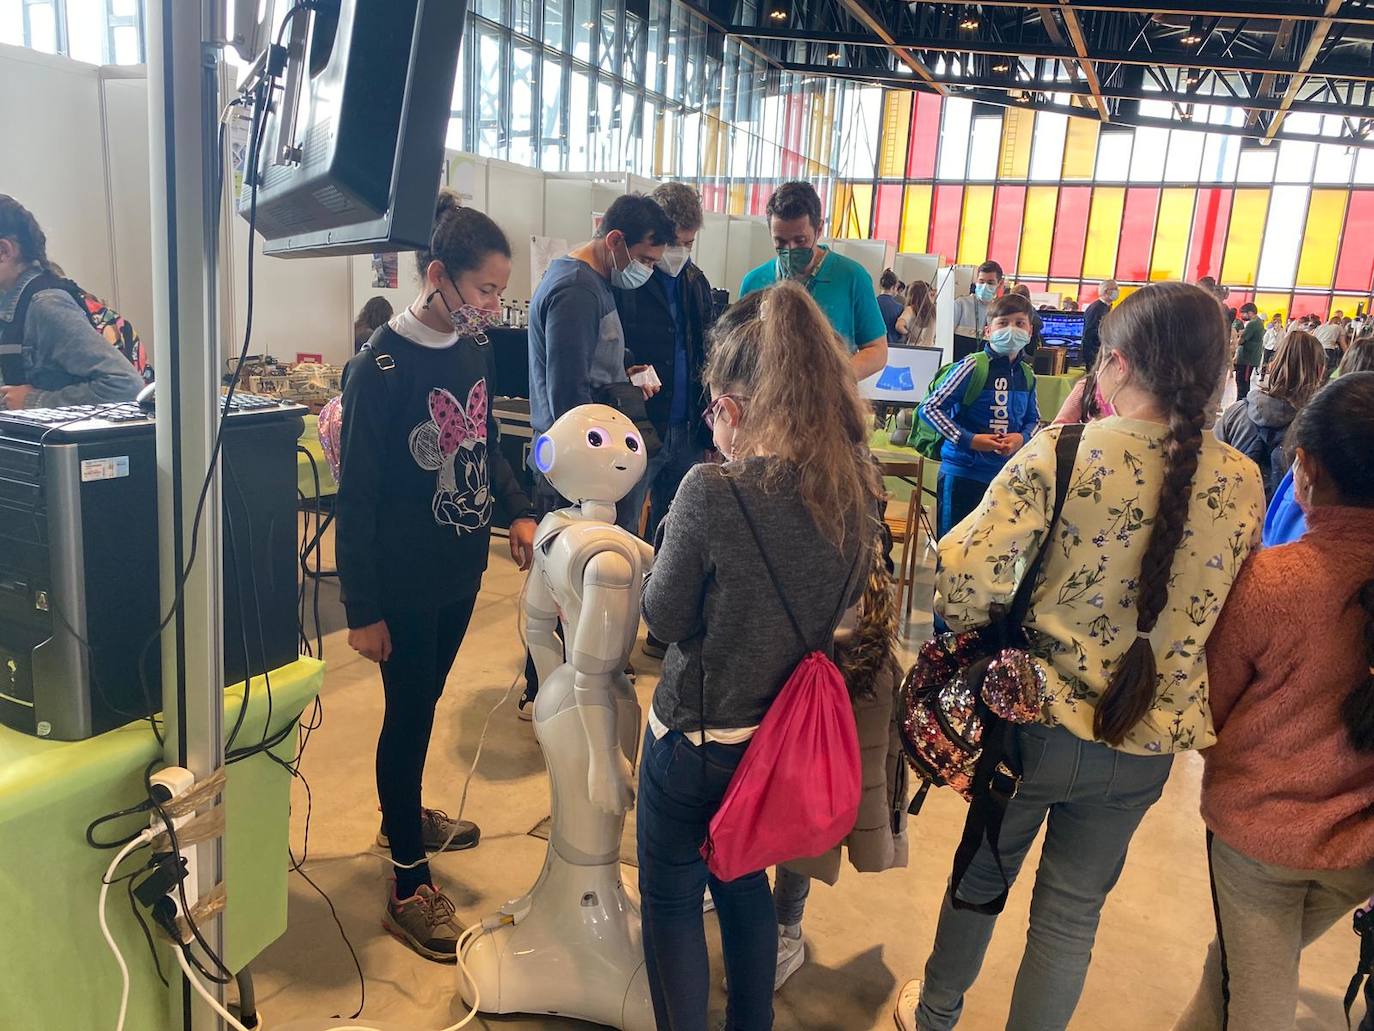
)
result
[(985, 291), (632, 276), (1008, 340)]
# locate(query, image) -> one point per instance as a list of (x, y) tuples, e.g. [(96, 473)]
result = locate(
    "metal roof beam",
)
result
[(1359, 71), (1273, 9), (1080, 47), (1320, 31), (861, 11)]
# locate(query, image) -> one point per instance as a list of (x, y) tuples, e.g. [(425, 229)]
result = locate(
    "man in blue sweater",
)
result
[(982, 431)]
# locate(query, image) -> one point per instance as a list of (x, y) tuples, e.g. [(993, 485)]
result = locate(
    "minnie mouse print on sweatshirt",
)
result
[(423, 471)]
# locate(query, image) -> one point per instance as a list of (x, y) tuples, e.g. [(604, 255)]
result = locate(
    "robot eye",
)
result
[(632, 442), (596, 438)]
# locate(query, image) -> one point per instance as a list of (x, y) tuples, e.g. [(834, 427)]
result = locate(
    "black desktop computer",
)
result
[(79, 588)]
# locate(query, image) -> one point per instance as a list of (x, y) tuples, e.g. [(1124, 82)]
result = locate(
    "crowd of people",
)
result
[(1186, 535)]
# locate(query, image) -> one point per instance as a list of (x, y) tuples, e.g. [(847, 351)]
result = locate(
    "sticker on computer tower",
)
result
[(104, 468)]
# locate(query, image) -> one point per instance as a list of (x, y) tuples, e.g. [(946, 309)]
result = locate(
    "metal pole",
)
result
[(182, 117)]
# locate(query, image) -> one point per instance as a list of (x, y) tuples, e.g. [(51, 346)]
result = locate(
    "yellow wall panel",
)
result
[(1270, 304), (1172, 226), (977, 222), (860, 215), (896, 129), (1325, 216), (1347, 305), (1104, 232), (1244, 237), (1065, 290), (1037, 230), (1080, 148), (1018, 130), (839, 208), (739, 198), (916, 219)]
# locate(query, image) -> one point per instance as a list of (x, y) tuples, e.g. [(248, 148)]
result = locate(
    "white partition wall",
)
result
[(913, 267), (466, 175), (873, 255), (945, 285), (748, 245), (515, 197), (710, 251)]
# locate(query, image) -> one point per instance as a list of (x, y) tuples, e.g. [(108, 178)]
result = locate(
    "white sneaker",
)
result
[(908, 1001), (791, 956)]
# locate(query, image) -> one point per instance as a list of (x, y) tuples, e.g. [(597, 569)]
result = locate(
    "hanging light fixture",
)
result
[(778, 14), (833, 56), (969, 22), (1193, 36), (1001, 65)]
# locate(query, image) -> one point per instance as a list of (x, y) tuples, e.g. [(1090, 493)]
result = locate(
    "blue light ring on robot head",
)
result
[(543, 453)]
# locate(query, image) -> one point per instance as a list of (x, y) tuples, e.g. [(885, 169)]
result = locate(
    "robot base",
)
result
[(574, 950)]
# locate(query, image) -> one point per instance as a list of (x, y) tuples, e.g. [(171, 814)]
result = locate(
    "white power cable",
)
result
[(136, 843), (201, 990)]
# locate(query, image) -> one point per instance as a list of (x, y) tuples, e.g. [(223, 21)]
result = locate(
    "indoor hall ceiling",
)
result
[(1260, 60)]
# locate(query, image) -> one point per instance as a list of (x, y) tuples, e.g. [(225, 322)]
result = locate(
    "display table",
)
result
[(1052, 391), (58, 974), (305, 475)]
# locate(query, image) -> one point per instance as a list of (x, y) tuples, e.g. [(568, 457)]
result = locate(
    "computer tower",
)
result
[(79, 593)]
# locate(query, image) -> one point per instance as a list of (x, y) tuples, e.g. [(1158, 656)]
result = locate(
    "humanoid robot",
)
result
[(572, 945)]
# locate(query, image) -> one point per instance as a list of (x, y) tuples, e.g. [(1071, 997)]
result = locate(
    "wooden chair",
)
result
[(906, 526)]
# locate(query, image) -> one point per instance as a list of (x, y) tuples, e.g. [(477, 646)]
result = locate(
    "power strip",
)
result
[(167, 785)]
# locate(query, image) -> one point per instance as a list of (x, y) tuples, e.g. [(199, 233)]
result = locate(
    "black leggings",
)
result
[(424, 643)]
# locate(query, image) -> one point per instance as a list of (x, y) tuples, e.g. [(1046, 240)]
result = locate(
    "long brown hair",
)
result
[(776, 349), (922, 305), (1360, 357), (1174, 339), (1298, 369)]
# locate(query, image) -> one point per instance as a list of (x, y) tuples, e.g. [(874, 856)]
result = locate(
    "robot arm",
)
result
[(606, 624), (541, 621)]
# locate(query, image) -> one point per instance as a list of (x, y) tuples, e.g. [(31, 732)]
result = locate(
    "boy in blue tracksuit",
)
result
[(981, 435)]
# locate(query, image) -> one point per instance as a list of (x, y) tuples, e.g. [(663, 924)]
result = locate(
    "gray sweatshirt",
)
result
[(65, 359), (576, 340), (710, 598)]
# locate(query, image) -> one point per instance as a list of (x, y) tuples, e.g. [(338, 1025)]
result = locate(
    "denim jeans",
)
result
[(1094, 797), (664, 474), (790, 891), (680, 789), (958, 496)]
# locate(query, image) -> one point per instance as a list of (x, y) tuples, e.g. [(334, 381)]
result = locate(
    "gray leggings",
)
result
[(789, 895), (1266, 916)]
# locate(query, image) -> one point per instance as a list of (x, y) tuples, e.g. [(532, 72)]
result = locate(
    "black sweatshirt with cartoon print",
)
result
[(420, 468)]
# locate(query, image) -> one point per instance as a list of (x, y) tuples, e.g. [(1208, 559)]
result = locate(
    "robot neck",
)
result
[(598, 511)]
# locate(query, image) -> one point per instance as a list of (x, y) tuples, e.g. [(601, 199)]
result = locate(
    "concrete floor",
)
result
[(865, 936)]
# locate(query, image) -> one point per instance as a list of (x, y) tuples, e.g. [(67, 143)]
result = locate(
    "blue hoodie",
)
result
[(1006, 405), (1284, 522)]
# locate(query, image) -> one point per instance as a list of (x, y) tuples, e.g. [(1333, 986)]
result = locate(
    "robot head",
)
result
[(592, 453)]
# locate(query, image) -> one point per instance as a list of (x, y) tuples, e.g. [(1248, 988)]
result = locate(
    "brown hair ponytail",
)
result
[(1174, 340), (776, 349)]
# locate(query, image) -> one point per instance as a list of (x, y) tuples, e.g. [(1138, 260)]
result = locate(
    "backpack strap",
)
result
[(995, 776), (1028, 370), (977, 379), (12, 339), (777, 584)]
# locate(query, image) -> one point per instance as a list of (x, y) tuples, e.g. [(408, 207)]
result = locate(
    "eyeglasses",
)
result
[(709, 416)]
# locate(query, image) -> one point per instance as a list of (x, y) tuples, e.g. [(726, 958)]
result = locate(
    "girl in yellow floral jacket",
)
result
[(1158, 519)]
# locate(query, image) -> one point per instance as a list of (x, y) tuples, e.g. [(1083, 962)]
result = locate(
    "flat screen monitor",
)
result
[(353, 150), (906, 378), (1064, 329)]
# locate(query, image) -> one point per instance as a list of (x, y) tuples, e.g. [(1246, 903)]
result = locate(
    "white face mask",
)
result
[(674, 260)]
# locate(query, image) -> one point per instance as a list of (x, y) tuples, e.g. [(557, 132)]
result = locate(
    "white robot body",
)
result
[(572, 945)]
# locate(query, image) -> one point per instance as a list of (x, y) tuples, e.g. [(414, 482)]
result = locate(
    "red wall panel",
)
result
[(1211, 218), (887, 219), (944, 221), (1355, 267), (925, 136), (1070, 232), (1137, 234), (1008, 209)]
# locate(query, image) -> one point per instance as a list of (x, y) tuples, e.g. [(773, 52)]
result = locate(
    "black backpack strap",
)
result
[(777, 584), (996, 777)]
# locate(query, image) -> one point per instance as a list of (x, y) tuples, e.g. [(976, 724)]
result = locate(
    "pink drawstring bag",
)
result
[(796, 791)]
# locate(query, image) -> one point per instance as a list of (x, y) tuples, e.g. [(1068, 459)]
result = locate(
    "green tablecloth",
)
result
[(305, 475), (56, 973), (1052, 391)]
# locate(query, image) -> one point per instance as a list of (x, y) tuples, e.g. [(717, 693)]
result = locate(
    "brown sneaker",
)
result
[(437, 830), (425, 923)]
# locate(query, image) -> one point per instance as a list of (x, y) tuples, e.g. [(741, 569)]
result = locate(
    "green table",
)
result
[(1052, 391), (56, 973), (305, 475)]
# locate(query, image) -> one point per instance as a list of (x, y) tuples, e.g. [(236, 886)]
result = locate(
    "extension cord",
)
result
[(177, 781)]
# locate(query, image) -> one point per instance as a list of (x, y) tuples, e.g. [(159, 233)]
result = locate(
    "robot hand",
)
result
[(608, 781)]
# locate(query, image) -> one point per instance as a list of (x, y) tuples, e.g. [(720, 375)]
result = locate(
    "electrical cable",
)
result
[(138, 842)]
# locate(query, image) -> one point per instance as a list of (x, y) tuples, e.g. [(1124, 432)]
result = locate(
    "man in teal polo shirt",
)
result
[(840, 285)]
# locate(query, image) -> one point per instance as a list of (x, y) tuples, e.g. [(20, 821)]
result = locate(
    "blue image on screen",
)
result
[(896, 378)]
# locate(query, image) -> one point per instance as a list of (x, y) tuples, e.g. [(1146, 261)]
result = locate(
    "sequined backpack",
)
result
[(961, 701)]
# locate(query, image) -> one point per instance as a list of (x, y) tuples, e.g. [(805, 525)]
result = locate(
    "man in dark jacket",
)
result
[(665, 326), (1092, 320)]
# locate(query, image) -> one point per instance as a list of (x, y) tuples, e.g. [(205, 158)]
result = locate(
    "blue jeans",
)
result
[(680, 789), (662, 478), (1094, 797), (790, 891), (958, 496)]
